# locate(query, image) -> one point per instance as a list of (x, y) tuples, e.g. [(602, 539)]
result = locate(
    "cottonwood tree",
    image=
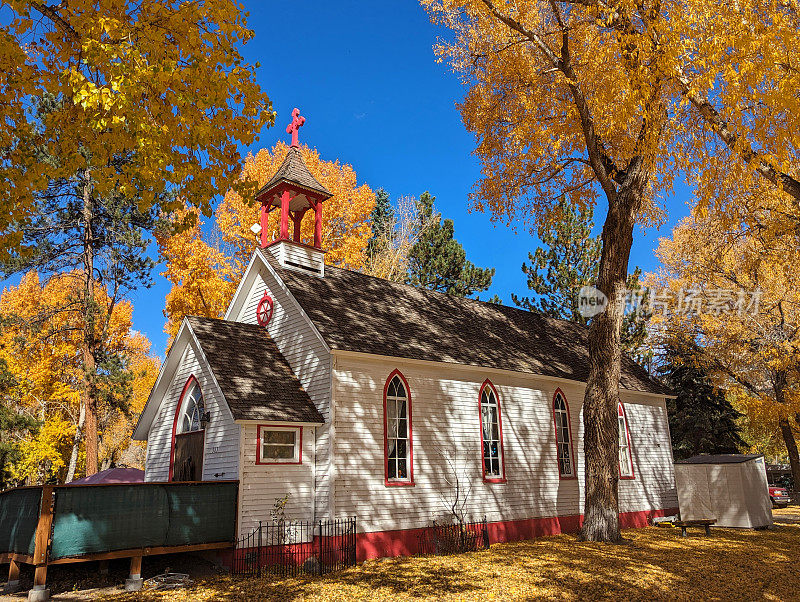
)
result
[(751, 348), (345, 216), (41, 345), (142, 106), (205, 264), (388, 254), (162, 82), (600, 99)]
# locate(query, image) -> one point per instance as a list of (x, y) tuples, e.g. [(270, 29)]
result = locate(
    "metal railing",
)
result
[(289, 548)]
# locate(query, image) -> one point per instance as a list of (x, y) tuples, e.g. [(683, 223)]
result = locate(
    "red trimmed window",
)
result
[(566, 458), (279, 444), (397, 431), (491, 435), (625, 456), (192, 410)]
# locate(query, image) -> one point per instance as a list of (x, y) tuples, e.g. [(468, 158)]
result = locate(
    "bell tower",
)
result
[(293, 191)]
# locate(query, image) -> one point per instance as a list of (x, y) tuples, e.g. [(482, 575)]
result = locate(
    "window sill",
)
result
[(389, 483), (630, 478), (568, 477), (494, 479)]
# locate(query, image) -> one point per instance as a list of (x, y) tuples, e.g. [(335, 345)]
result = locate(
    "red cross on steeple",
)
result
[(297, 121)]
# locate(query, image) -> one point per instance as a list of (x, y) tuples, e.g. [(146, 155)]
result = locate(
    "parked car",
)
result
[(779, 496)]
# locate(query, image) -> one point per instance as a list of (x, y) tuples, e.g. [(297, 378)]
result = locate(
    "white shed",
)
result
[(731, 488)]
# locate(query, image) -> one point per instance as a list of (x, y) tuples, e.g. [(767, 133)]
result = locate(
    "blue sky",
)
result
[(365, 77)]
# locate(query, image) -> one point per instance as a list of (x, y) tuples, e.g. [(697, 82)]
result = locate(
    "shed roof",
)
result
[(720, 459), (255, 378), (356, 312)]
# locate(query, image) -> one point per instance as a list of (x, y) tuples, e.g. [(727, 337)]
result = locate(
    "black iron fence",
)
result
[(289, 548), (454, 538)]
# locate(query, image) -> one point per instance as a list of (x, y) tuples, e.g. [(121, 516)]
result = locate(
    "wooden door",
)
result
[(189, 456)]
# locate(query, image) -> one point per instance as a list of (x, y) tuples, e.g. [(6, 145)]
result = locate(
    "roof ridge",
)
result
[(467, 299)]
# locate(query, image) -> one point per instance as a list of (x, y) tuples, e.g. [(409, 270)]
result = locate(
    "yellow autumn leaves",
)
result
[(205, 264), (177, 105), (40, 343)]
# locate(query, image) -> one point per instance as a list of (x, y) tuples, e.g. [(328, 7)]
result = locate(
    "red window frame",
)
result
[(621, 412), (574, 474), (491, 479), (189, 382), (261, 462), (386, 480)]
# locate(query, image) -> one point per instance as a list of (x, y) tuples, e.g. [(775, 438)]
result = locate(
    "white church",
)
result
[(361, 397)]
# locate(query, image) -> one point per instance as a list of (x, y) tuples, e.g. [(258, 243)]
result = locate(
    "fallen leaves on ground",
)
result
[(655, 563)]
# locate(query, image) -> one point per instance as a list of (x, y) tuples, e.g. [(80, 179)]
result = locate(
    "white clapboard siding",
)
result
[(446, 431), (309, 359), (261, 485), (221, 454)]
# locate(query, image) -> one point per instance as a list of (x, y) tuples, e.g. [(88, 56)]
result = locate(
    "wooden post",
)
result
[(318, 225), (42, 545), (103, 567), (134, 581), (12, 585), (285, 198)]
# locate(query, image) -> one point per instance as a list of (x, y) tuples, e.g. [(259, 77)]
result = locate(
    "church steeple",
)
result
[(293, 190)]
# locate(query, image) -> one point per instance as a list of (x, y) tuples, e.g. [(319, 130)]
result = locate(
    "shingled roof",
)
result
[(255, 378), (356, 312), (294, 170)]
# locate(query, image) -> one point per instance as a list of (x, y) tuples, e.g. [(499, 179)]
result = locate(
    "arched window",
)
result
[(397, 431), (192, 410), (625, 457), (566, 458), (491, 435)]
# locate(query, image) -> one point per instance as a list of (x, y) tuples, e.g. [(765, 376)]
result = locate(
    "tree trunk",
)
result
[(76, 443), (779, 380), (791, 449), (601, 427), (89, 335)]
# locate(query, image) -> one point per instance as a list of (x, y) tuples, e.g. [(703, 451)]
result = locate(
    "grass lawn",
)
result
[(655, 563)]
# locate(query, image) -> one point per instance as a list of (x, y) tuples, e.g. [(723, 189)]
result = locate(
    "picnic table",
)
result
[(685, 524)]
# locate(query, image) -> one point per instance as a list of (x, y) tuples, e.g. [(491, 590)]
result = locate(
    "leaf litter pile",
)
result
[(654, 564)]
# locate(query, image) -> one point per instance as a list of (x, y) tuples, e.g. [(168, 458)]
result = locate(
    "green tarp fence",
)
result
[(19, 515), (100, 518)]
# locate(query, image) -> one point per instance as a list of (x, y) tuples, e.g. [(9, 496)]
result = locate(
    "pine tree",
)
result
[(568, 261), (438, 262), (701, 419), (102, 239), (12, 424), (381, 219)]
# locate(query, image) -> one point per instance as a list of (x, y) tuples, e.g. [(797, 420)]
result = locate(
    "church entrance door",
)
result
[(189, 456)]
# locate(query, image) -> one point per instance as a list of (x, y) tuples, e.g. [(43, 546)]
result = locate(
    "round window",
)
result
[(264, 310)]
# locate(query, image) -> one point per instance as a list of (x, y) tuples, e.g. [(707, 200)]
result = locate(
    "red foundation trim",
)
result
[(406, 542)]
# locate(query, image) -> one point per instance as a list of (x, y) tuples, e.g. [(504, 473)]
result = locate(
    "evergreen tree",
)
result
[(102, 239), (701, 419), (381, 219), (568, 261), (438, 262)]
